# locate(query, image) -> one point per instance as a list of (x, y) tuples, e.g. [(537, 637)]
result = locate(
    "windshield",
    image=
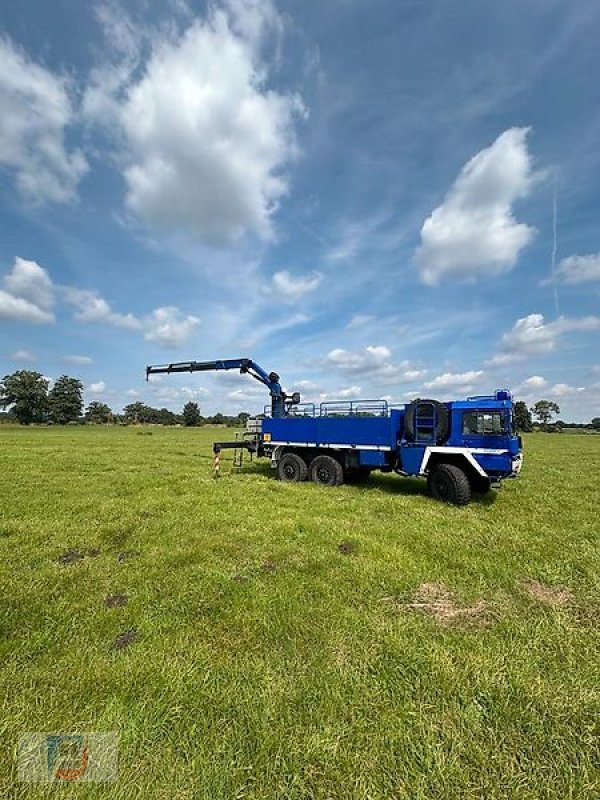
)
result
[(486, 423)]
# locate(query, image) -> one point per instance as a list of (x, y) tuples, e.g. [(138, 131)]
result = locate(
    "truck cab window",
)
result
[(485, 423)]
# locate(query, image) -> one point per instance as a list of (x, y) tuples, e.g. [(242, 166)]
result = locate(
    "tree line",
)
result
[(30, 400), (544, 412)]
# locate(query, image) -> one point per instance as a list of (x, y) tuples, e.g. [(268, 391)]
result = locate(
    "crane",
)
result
[(280, 401)]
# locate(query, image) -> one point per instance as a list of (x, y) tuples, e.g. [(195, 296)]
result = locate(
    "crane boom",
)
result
[(245, 366)]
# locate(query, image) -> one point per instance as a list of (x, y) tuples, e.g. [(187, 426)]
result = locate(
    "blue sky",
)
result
[(359, 195)]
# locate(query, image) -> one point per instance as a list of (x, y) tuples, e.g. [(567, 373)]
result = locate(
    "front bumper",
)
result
[(517, 465)]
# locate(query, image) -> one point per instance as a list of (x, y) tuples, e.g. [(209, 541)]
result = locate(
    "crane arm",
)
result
[(245, 366)]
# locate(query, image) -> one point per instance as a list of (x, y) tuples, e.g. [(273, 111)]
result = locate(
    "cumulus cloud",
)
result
[(36, 109), (350, 392), (535, 382), (474, 231), (375, 361), (564, 390), (96, 388), (206, 141), (28, 294), (532, 335), (579, 269), (168, 326), (291, 288), (90, 307), (454, 379)]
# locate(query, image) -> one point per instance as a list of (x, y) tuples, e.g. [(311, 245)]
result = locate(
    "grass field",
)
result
[(293, 641)]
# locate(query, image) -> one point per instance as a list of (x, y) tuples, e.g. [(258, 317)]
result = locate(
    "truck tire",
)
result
[(326, 471), (442, 427), (292, 468), (448, 483)]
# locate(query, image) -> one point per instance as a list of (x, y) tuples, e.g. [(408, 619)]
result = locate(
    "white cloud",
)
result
[(350, 392), (96, 388), (132, 393), (31, 282), (36, 109), (22, 355), (207, 142), (90, 307), (375, 361), (292, 287), (28, 293), (531, 335), (14, 308), (454, 379), (358, 320), (169, 326), (579, 269), (474, 231), (535, 382), (82, 360), (564, 390)]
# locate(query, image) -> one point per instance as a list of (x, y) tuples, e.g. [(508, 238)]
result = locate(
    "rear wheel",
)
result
[(292, 468), (449, 484), (326, 471)]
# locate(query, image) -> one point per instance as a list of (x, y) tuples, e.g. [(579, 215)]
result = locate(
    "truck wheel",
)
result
[(292, 468), (449, 484), (326, 471)]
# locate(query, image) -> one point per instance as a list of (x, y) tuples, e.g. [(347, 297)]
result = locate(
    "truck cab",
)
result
[(462, 447)]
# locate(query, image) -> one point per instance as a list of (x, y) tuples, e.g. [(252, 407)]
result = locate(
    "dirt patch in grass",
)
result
[(437, 601), (74, 554), (70, 556), (125, 639), (239, 578), (116, 600), (269, 566), (346, 548), (127, 555), (551, 595)]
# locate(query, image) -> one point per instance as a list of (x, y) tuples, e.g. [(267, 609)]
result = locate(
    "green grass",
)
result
[(268, 663)]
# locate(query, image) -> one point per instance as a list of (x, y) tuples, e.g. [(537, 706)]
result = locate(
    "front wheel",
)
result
[(326, 471), (449, 484)]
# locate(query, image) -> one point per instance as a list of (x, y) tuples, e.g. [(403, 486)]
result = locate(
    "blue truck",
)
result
[(461, 448)]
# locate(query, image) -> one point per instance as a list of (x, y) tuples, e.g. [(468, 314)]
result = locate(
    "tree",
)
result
[(27, 393), (596, 423), (98, 412), (137, 412), (544, 410), (191, 415), (523, 417), (66, 400)]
